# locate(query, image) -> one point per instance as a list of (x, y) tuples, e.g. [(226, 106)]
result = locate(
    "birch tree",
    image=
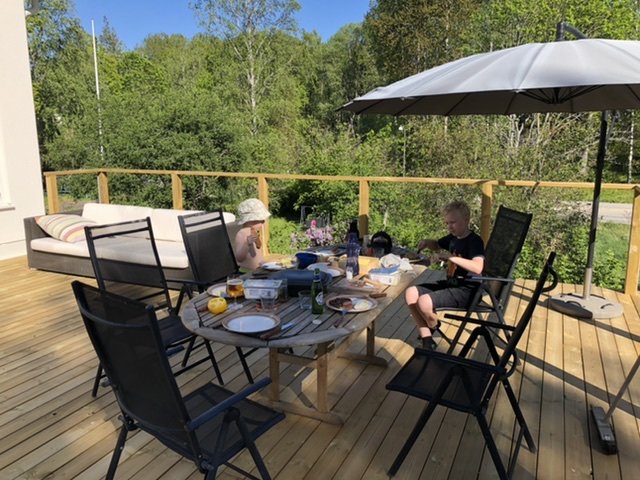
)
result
[(250, 28)]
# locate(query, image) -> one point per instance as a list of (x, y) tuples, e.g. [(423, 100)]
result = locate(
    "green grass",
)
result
[(610, 196), (614, 237)]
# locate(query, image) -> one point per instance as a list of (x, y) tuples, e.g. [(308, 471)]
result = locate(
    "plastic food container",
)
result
[(385, 278), (253, 287)]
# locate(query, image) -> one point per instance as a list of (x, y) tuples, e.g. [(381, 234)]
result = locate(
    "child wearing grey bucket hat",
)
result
[(252, 215)]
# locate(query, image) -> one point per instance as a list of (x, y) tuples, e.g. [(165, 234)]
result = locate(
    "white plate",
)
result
[(354, 286), (273, 266), (324, 267), (359, 303), (251, 322), (218, 290)]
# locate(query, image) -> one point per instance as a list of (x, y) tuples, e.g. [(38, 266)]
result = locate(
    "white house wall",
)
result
[(20, 175)]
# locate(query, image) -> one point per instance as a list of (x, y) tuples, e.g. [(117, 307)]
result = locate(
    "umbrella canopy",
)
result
[(565, 76), (568, 76)]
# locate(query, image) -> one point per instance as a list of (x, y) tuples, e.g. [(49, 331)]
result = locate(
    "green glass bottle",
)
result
[(317, 293)]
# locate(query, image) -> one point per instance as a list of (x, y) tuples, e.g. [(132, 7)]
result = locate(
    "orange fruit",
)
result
[(217, 305)]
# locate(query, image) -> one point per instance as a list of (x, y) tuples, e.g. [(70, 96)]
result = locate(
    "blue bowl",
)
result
[(305, 259)]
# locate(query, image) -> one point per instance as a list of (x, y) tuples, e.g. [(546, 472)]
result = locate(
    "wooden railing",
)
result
[(486, 189)]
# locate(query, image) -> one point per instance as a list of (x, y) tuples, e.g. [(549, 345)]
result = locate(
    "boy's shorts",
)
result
[(444, 297)]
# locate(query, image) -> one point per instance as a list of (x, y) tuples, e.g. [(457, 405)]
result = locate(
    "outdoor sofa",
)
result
[(63, 248)]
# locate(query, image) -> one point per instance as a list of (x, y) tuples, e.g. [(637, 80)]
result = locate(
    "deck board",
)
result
[(52, 428)]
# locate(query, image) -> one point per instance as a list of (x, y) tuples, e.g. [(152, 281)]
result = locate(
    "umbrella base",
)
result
[(590, 307)]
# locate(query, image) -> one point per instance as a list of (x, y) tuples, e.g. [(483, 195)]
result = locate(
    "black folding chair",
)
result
[(467, 385), (125, 255), (501, 257), (208, 426), (211, 257)]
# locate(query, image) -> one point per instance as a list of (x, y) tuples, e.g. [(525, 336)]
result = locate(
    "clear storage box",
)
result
[(384, 278), (254, 287)]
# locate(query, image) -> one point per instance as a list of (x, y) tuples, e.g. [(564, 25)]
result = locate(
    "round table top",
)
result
[(297, 327)]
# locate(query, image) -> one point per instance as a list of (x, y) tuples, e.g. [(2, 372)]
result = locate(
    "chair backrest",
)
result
[(504, 246), (126, 252), (126, 338), (522, 324), (208, 246)]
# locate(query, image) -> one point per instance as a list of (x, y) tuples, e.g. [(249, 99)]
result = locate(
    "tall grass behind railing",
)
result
[(235, 185)]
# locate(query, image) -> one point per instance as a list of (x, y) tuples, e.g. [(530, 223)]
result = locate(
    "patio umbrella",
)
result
[(563, 76)]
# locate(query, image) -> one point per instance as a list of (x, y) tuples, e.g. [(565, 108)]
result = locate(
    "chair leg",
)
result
[(185, 359), (454, 341), (96, 382), (422, 421), (253, 450), (245, 366), (115, 458), (531, 444), (212, 357), (491, 445)]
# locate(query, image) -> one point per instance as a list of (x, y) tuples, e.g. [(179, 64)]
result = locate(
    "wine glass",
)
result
[(235, 289)]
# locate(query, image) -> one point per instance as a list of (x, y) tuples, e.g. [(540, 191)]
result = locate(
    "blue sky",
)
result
[(133, 20)]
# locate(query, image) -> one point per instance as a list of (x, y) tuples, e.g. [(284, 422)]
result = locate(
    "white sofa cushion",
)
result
[(172, 254), (53, 245), (165, 223), (104, 213)]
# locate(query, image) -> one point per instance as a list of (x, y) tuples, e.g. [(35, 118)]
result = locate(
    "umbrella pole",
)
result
[(602, 150), (587, 305)]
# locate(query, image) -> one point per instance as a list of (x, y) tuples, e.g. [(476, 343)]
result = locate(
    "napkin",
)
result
[(391, 260)]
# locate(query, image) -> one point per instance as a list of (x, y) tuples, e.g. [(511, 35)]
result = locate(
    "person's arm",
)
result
[(244, 245), (474, 265), (428, 243)]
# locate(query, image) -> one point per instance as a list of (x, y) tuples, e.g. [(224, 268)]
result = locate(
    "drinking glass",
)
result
[(268, 299), (235, 289)]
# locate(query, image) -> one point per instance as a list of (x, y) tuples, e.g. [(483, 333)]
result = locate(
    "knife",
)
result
[(277, 331)]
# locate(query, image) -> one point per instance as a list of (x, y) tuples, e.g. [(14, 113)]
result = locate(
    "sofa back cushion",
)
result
[(104, 213), (165, 224)]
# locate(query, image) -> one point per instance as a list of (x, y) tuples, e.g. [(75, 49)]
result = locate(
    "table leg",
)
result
[(320, 364), (370, 355), (322, 373)]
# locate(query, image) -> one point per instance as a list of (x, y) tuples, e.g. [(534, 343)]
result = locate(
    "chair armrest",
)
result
[(227, 403), (492, 279), (460, 361), (188, 282), (32, 230), (476, 321)]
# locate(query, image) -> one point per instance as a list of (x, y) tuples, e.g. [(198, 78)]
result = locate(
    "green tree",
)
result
[(413, 35), (250, 28)]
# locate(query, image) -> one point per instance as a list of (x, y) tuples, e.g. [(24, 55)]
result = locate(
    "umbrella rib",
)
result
[(402, 110), (557, 98), (633, 92)]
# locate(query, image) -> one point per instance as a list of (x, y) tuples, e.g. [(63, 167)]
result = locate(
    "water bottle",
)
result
[(353, 249), (317, 293)]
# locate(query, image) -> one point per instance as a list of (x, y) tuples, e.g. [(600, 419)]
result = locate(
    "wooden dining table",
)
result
[(330, 333)]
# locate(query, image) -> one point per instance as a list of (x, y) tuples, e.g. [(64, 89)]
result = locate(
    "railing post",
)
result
[(53, 202), (485, 210), (176, 191), (263, 195), (363, 208), (633, 258), (103, 188)]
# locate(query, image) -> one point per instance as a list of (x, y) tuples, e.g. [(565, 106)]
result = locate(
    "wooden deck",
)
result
[(50, 427)]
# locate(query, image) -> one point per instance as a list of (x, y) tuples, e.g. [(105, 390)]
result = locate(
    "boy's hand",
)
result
[(422, 244), (441, 256)]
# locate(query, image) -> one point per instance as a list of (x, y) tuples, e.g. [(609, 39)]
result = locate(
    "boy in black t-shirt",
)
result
[(463, 250)]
